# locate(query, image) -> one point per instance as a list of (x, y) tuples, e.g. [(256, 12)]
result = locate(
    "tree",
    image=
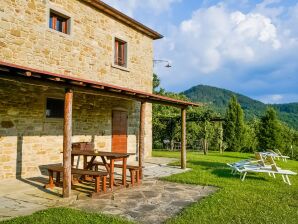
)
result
[(269, 133), (156, 82), (234, 127)]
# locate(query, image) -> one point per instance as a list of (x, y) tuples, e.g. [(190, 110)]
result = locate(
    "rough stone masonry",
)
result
[(29, 140)]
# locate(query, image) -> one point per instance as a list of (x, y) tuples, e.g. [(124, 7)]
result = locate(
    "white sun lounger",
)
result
[(279, 155), (275, 154), (271, 171), (258, 162)]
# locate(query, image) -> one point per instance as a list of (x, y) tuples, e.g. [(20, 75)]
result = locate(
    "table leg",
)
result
[(85, 163), (51, 180), (124, 160), (112, 173)]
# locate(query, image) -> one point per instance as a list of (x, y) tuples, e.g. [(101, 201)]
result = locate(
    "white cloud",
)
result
[(131, 6), (270, 8), (278, 98), (214, 36), (127, 7), (275, 98)]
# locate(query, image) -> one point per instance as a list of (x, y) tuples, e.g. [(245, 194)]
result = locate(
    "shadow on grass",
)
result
[(222, 170), (226, 173), (232, 156), (206, 164)]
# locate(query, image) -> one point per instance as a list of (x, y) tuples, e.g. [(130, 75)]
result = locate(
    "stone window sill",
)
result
[(60, 33), (120, 67)]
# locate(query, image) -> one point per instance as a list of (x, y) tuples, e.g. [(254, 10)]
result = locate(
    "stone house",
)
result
[(85, 48)]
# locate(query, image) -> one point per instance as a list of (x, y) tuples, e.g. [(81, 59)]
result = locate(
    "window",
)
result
[(55, 108), (120, 53), (59, 22)]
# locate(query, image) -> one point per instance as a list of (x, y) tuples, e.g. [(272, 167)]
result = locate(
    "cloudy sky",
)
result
[(247, 46)]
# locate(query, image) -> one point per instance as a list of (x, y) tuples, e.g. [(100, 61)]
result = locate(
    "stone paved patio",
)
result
[(152, 202)]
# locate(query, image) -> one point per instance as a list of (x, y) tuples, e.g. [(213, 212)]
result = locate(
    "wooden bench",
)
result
[(133, 170), (97, 175)]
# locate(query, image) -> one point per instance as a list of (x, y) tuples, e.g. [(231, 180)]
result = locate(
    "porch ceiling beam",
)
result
[(77, 83), (96, 86)]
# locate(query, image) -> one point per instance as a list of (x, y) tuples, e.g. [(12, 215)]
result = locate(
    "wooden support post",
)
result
[(142, 137), (67, 134), (183, 138), (221, 138), (205, 139)]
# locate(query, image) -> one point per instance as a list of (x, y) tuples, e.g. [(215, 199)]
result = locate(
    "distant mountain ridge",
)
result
[(218, 99)]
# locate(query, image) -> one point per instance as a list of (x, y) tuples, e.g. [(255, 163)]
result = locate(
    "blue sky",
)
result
[(247, 46)]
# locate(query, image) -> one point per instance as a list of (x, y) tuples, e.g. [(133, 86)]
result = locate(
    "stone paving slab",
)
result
[(153, 201)]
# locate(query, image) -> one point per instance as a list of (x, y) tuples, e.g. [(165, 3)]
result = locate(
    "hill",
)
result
[(218, 99)]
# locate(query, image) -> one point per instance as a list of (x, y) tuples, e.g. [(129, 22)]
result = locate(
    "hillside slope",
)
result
[(218, 99)]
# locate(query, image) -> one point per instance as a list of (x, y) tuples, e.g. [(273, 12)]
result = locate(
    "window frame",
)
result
[(45, 109), (126, 54), (63, 14)]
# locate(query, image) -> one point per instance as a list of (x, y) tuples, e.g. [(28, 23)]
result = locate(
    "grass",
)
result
[(67, 216), (259, 199)]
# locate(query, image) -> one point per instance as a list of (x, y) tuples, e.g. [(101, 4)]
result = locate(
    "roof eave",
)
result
[(26, 72), (107, 9)]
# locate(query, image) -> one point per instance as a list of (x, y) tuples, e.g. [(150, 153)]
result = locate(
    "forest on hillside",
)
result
[(231, 128), (217, 99)]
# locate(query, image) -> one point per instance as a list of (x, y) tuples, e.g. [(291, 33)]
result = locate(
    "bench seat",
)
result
[(134, 171), (97, 175)]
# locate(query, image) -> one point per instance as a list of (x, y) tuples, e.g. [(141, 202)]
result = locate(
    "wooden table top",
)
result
[(100, 153)]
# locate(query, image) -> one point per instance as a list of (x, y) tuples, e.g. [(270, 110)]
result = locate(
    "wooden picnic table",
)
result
[(104, 157)]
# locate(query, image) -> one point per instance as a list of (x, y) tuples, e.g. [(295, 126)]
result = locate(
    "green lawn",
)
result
[(259, 199), (65, 216)]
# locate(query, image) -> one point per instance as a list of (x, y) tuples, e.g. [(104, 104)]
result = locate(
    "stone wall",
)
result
[(87, 53), (28, 140), (27, 40)]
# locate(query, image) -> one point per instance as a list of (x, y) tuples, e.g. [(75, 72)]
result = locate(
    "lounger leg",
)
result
[(273, 175), (283, 178), (269, 174), (288, 179), (244, 175)]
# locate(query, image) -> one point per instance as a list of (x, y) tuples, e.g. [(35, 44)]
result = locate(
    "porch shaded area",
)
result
[(152, 202), (28, 76)]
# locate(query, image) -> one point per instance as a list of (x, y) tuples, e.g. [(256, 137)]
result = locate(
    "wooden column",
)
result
[(221, 138), (67, 134), (183, 138), (142, 137)]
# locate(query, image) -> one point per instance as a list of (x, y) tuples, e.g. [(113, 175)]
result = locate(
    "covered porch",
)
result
[(75, 87), (153, 202)]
